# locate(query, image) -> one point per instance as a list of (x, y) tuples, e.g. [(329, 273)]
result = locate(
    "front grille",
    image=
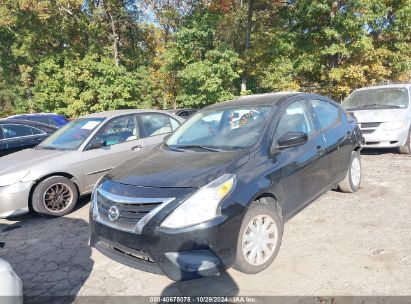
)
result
[(126, 213), (136, 258), (367, 131), (370, 124), (136, 254)]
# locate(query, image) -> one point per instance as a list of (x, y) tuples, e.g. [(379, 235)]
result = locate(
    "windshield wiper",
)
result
[(204, 147)]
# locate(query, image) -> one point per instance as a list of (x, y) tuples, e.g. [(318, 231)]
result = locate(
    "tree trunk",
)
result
[(115, 40), (247, 43)]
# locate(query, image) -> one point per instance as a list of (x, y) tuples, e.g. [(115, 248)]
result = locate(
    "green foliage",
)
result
[(90, 85), (80, 56), (206, 68), (208, 81)]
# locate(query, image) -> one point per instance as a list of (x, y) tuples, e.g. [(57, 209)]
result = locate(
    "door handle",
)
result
[(136, 148)]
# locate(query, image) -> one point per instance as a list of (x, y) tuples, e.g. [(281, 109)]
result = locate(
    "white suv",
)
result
[(384, 115)]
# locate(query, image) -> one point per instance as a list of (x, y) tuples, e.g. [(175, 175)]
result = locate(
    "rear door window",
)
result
[(13, 131), (37, 131), (156, 124), (327, 114)]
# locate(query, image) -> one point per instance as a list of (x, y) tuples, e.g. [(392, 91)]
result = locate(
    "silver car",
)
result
[(384, 115), (50, 177)]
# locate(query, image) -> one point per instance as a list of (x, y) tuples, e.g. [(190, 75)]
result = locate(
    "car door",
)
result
[(2, 151), (117, 141), (17, 137), (304, 173), (38, 136), (329, 120)]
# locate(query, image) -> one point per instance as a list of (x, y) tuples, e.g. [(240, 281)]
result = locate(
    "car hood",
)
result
[(171, 169), (28, 159), (379, 115)]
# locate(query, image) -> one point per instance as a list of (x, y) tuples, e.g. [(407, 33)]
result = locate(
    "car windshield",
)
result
[(72, 135), (377, 98), (225, 128)]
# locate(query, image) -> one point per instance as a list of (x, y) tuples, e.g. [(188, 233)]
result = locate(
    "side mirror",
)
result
[(96, 145), (292, 139)]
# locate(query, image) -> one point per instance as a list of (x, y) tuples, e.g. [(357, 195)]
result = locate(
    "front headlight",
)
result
[(93, 202), (12, 178), (392, 125), (202, 205)]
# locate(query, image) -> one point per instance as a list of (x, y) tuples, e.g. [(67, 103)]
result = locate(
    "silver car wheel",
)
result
[(355, 171), (58, 197), (259, 240)]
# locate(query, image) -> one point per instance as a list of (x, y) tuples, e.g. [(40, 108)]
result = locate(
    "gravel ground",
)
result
[(342, 244)]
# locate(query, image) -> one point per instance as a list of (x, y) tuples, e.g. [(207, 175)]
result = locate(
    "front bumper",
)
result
[(380, 138), (181, 254), (14, 199)]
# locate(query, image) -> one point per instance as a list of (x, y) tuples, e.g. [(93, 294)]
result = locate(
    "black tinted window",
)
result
[(327, 114), (37, 131), (11, 131)]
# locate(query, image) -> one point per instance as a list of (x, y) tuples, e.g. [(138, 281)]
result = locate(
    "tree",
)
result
[(92, 85), (205, 67)]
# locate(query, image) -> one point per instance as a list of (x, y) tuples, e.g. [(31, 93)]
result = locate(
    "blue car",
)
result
[(51, 119)]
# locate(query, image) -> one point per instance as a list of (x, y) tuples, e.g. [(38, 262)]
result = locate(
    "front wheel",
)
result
[(352, 179), (260, 237), (54, 196)]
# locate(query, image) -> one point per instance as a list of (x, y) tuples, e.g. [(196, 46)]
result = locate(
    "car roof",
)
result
[(392, 85), (257, 99), (109, 114), (34, 114), (26, 122)]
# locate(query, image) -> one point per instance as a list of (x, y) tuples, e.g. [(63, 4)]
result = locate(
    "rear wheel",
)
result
[(406, 149), (352, 179), (260, 237), (55, 196)]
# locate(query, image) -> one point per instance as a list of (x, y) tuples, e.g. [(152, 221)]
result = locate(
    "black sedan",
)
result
[(16, 135), (217, 192)]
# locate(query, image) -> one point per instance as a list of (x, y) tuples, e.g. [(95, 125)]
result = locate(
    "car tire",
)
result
[(406, 149), (352, 179), (262, 212), (54, 196)]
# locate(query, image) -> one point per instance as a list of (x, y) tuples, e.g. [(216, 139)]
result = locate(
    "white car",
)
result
[(384, 115), (11, 287)]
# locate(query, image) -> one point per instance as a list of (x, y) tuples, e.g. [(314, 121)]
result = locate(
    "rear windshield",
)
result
[(384, 98)]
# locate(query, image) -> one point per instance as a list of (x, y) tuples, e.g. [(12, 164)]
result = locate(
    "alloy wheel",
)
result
[(58, 197)]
